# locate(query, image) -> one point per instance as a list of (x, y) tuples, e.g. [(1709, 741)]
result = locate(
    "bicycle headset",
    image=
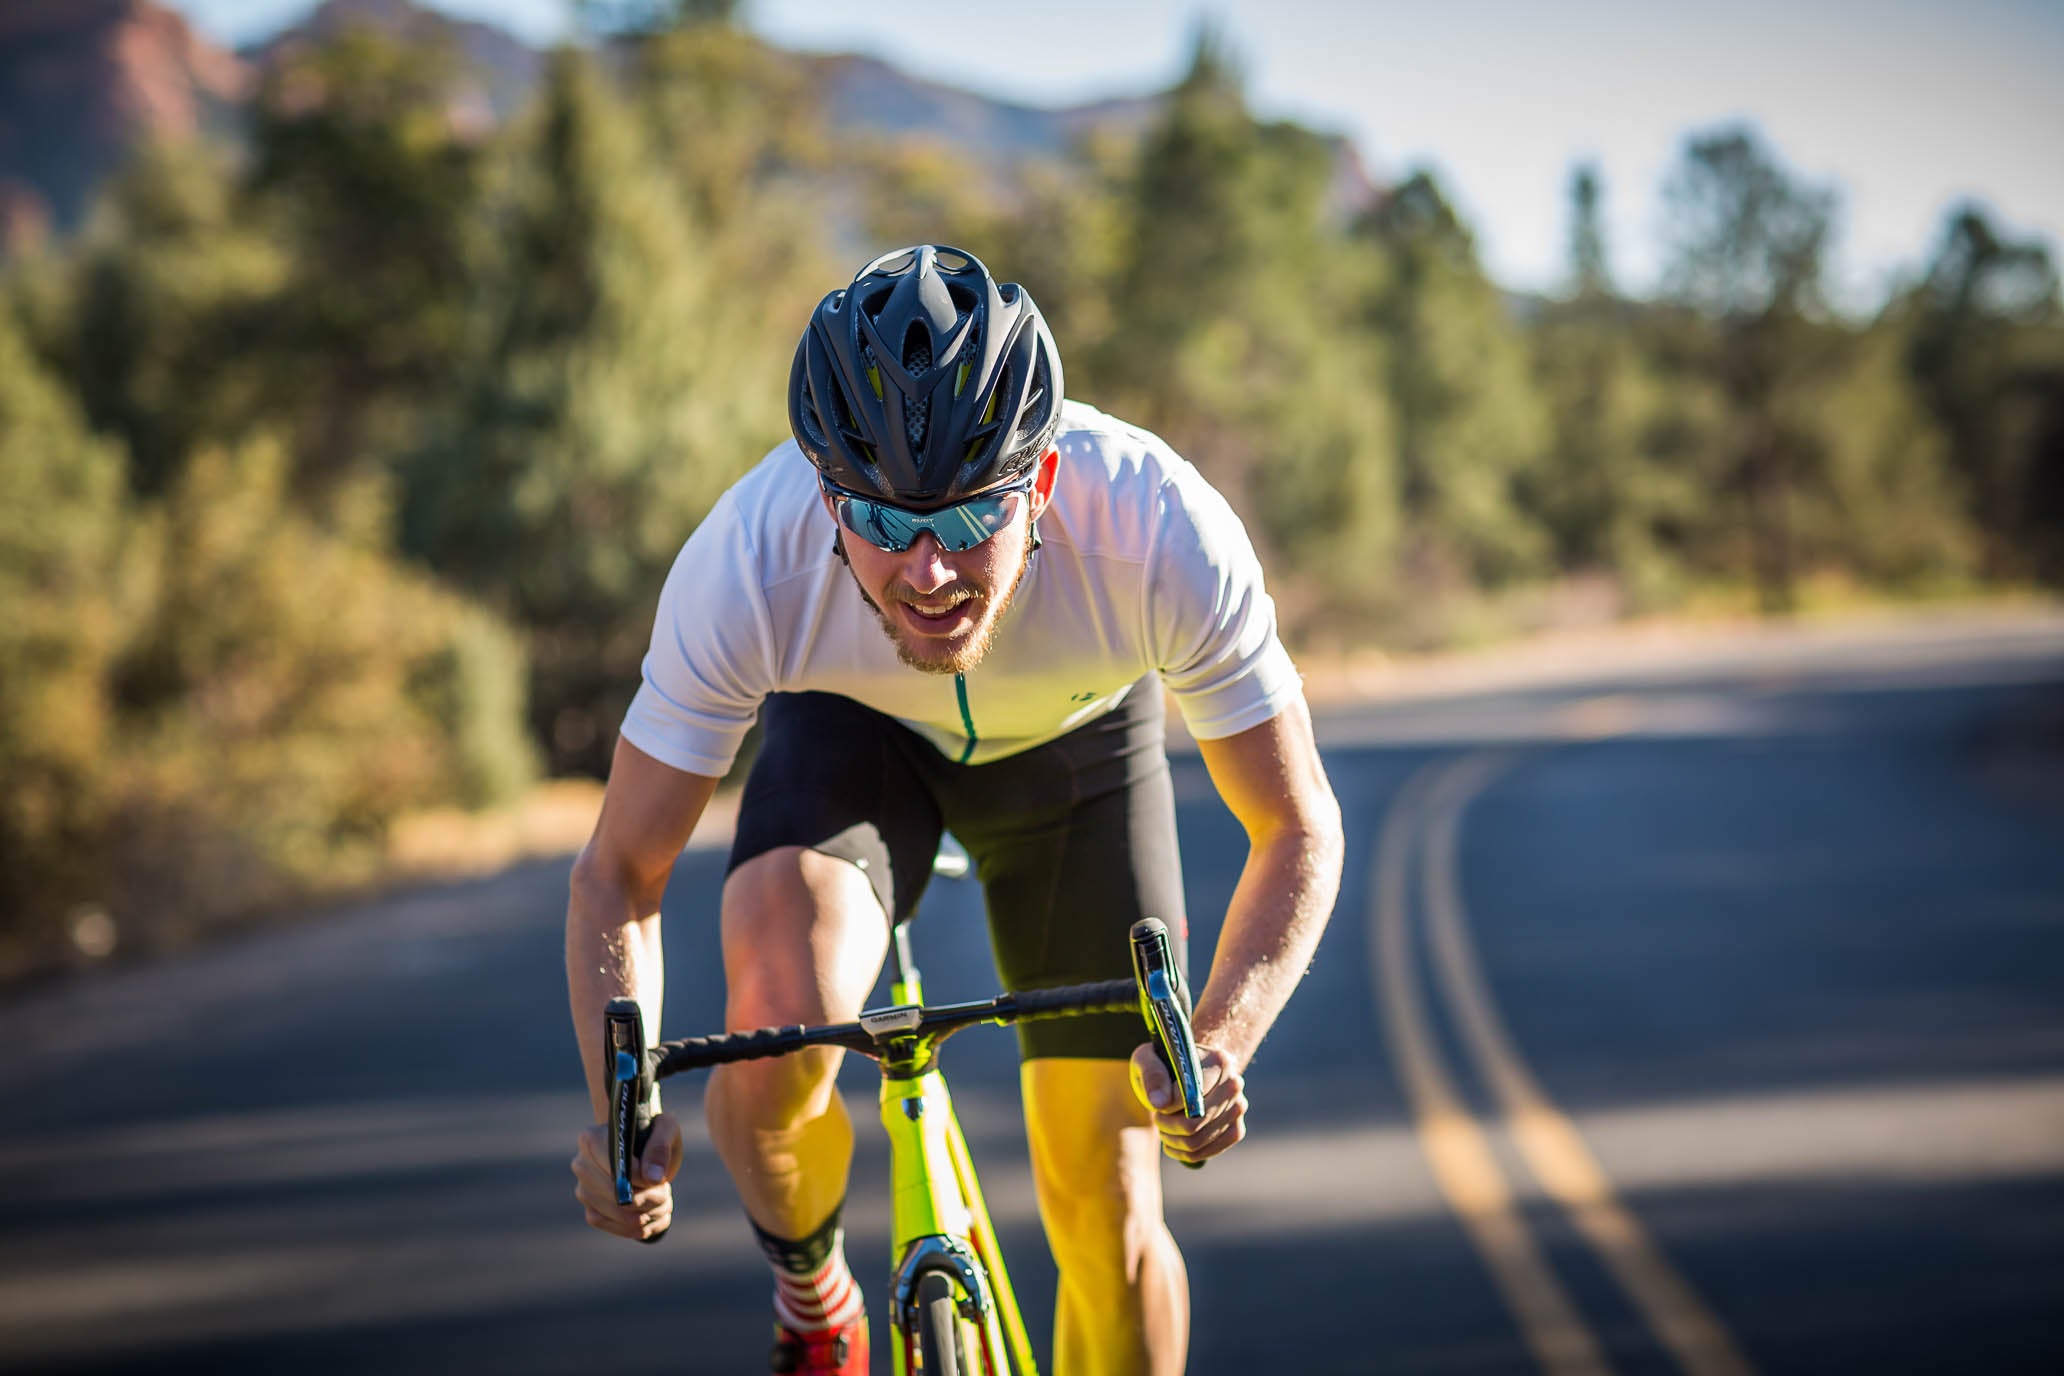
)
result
[(925, 381)]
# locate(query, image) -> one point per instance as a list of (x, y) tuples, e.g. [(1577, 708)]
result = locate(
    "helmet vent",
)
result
[(812, 427), (917, 360)]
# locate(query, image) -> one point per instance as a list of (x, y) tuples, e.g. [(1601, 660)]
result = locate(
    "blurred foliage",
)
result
[(1471, 425), (617, 383), (367, 172), (289, 692), (339, 473), (1610, 490), (63, 510), (1234, 331), (1986, 349), (1747, 245), (163, 321)]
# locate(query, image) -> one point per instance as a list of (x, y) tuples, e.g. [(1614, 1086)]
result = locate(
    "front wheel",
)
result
[(938, 1326)]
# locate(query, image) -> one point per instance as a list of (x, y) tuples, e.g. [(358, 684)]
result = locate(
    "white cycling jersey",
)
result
[(1142, 568)]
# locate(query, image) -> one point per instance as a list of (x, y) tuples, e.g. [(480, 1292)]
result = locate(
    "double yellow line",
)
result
[(1424, 823)]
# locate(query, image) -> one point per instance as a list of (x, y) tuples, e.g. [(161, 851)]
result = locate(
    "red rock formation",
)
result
[(82, 82)]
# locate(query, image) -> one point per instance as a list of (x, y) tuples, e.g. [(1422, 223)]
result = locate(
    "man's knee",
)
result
[(803, 940), (1096, 1163)]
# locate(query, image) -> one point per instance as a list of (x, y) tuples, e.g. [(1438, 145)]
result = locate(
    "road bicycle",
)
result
[(952, 1311)]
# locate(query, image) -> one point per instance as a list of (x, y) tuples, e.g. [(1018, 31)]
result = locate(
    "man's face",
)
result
[(941, 609)]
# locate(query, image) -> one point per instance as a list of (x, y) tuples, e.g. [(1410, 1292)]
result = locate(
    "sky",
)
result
[(1901, 106)]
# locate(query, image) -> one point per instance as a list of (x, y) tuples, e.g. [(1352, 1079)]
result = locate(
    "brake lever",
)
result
[(1165, 1004), (628, 1070)]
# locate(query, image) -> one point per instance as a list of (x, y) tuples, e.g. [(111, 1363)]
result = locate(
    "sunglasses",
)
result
[(959, 527)]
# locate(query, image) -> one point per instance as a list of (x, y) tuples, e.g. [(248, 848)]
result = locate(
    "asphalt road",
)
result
[(1708, 1018)]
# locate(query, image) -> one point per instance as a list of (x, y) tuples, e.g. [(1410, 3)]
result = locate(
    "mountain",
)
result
[(506, 69), (866, 94), (82, 83)]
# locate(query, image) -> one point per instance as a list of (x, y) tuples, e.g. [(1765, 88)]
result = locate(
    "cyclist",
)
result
[(948, 601)]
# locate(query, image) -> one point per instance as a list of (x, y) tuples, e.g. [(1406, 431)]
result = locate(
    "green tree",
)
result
[(1878, 500), (62, 517), (1233, 332), (613, 392), (733, 120), (158, 323), (1987, 352), (1600, 490), (369, 161), (288, 694), (1746, 246), (1590, 271), (1471, 426)]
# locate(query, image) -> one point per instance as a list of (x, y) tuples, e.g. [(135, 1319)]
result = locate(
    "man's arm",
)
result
[(612, 913), (613, 949), (1271, 778)]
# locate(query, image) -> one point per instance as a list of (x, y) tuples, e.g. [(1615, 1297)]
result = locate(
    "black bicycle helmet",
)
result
[(925, 380)]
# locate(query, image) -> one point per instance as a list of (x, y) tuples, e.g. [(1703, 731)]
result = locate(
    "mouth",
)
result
[(939, 616)]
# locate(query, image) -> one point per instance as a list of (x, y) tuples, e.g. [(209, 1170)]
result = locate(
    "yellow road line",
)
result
[(1547, 1140), (1454, 1142)]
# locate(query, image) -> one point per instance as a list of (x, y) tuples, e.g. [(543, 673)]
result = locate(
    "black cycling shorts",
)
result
[(1073, 841)]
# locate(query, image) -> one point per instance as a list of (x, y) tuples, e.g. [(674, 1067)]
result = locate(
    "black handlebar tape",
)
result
[(1109, 996), (1164, 1001), (691, 1053), (628, 1072)]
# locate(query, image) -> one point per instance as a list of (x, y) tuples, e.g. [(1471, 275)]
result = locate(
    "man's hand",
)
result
[(1225, 1104), (651, 1210)]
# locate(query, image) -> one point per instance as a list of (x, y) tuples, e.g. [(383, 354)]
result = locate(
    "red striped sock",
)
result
[(820, 1299), (813, 1290)]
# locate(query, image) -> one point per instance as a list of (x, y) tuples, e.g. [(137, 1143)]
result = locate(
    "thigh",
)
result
[(841, 780), (803, 940), (1074, 842), (1096, 1159)]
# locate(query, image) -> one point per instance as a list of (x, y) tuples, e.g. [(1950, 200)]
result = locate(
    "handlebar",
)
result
[(1156, 991)]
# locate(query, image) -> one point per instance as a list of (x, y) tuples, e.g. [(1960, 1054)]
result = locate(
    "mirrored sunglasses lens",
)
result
[(884, 527), (969, 524), (957, 528)]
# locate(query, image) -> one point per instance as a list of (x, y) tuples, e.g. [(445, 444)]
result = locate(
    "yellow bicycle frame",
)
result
[(940, 1221)]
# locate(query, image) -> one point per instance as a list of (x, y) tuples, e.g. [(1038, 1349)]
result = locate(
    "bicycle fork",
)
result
[(943, 1225)]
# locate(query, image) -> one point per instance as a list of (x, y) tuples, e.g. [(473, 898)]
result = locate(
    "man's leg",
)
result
[(804, 938), (1124, 1301)]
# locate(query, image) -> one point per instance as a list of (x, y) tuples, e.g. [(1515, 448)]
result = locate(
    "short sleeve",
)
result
[(1211, 622), (711, 660)]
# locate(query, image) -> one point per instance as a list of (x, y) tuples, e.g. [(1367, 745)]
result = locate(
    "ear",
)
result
[(1043, 484)]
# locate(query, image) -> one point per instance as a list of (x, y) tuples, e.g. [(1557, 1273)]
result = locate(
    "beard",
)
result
[(945, 660)]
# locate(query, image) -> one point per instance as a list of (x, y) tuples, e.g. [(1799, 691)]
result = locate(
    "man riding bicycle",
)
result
[(948, 600)]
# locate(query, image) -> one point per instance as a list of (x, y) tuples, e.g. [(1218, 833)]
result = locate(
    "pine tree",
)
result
[(612, 396), (1987, 353), (1602, 495), (1747, 243), (1232, 331), (1470, 424)]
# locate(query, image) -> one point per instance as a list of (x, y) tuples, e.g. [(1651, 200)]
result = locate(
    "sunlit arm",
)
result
[(612, 911), (1271, 778)]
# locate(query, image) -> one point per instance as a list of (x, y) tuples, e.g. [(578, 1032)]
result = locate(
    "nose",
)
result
[(924, 564)]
